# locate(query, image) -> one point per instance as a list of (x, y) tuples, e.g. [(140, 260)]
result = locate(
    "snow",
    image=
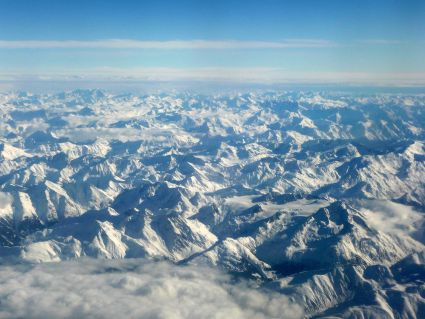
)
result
[(318, 196)]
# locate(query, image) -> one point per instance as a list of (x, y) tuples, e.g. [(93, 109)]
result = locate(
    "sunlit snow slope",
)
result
[(319, 197)]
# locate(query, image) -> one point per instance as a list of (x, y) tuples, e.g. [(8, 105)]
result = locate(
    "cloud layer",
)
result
[(167, 45), (132, 289), (261, 75)]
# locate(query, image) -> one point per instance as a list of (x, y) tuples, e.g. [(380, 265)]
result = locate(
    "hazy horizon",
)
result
[(360, 43)]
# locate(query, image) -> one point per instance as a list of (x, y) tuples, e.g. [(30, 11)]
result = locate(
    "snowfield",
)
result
[(304, 204)]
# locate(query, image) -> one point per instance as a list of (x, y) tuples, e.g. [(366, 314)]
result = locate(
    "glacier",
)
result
[(315, 200)]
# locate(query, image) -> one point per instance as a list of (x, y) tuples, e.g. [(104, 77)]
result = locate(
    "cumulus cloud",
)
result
[(132, 289)]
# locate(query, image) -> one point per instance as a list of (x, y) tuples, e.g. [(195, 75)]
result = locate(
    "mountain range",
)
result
[(318, 196)]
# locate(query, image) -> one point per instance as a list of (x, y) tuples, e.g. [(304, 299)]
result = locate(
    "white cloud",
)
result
[(380, 41), (158, 135), (5, 200), (261, 75), (394, 218), (132, 289), (167, 45)]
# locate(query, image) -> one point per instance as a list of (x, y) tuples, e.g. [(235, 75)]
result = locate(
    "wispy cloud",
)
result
[(261, 75), (380, 42), (165, 45)]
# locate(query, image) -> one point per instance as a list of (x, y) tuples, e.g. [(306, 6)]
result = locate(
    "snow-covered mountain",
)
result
[(318, 196)]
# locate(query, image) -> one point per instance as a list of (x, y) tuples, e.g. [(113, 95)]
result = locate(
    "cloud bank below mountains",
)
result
[(132, 289), (4, 200), (394, 218)]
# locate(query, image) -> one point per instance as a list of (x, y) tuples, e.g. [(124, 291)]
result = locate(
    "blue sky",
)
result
[(368, 42)]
